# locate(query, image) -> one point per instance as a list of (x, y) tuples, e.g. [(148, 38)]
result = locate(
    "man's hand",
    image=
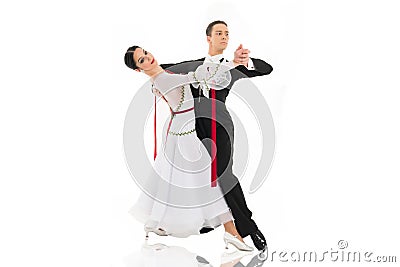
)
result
[(241, 56)]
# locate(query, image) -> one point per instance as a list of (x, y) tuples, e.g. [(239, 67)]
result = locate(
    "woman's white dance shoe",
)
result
[(157, 231), (230, 239)]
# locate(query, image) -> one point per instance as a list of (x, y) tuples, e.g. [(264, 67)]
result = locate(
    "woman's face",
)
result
[(144, 60)]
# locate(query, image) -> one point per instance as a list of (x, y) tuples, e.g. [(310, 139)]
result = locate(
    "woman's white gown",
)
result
[(180, 200)]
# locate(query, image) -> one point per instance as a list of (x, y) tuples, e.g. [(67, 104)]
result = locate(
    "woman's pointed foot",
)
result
[(158, 231), (233, 240)]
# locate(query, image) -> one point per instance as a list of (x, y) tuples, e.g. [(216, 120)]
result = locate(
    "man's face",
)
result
[(219, 37)]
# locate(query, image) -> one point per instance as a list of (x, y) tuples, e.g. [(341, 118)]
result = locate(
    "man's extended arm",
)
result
[(183, 67), (260, 68), (250, 67)]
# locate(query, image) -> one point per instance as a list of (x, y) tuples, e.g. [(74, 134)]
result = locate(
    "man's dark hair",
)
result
[(211, 25)]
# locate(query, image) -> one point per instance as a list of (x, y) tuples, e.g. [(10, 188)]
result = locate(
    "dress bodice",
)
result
[(176, 90)]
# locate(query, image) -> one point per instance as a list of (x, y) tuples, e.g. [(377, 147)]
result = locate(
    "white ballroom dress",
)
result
[(178, 196)]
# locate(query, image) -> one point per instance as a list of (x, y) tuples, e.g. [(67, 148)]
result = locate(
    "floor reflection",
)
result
[(161, 255)]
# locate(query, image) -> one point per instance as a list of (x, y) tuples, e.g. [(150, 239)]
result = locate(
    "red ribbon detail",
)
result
[(155, 127), (155, 120), (172, 115), (214, 139), (170, 122)]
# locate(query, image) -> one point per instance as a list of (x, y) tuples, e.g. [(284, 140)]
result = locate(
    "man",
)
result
[(211, 109)]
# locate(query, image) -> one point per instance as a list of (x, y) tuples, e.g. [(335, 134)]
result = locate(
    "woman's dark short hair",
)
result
[(211, 25), (129, 61)]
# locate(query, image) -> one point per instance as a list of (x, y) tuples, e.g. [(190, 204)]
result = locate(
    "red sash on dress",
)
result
[(214, 139), (155, 127), (155, 122)]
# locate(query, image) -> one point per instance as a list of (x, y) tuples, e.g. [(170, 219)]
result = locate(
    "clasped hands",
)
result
[(241, 56)]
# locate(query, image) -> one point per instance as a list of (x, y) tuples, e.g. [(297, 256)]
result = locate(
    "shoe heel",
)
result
[(230, 239), (226, 244)]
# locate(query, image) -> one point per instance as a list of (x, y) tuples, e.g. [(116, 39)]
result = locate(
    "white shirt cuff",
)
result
[(250, 65)]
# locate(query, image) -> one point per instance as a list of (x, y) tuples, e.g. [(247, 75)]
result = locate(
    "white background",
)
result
[(65, 190)]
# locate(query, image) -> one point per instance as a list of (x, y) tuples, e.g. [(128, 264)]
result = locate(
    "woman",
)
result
[(189, 202)]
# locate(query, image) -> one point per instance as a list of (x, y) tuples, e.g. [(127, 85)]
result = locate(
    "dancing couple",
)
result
[(196, 158)]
